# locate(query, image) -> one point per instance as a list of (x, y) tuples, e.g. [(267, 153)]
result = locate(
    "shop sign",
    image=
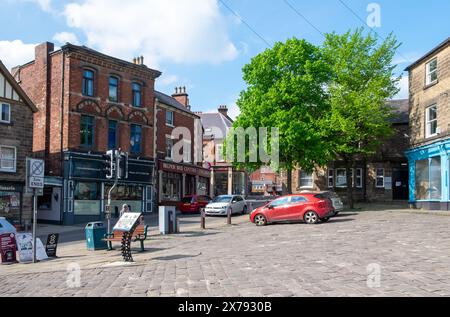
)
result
[(25, 248), (128, 221), (52, 245), (140, 173), (183, 169), (8, 248)]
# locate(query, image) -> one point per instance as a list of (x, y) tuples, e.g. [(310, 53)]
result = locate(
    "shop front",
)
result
[(87, 188), (429, 176), (228, 181), (179, 180), (11, 202)]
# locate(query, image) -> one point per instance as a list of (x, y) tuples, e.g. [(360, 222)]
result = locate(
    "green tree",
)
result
[(362, 79), (287, 89)]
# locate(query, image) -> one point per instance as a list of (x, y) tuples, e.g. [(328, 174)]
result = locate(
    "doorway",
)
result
[(400, 183)]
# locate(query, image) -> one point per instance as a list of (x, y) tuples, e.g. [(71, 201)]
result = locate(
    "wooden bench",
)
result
[(139, 235)]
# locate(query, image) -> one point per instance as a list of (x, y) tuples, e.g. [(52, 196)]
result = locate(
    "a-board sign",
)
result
[(52, 245), (8, 248), (25, 248), (128, 221)]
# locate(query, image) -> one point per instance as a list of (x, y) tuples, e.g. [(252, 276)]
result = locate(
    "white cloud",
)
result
[(177, 31), (13, 53), (66, 37), (167, 80), (404, 88), (45, 5)]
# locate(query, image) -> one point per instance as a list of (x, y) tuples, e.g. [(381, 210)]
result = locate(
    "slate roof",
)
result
[(430, 53), (217, 123), (401, 107)]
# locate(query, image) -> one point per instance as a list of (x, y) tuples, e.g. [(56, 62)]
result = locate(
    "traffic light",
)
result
[(110, 164), (123, 165)]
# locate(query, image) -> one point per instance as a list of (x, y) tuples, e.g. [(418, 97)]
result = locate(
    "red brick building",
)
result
[(89, 103), (180, 171)]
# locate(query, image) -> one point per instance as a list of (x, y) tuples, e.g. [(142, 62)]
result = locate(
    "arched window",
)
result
[(88, 83), (137, 95), (113, 89)]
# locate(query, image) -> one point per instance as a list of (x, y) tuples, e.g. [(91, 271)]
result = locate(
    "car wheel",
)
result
[(311, 218), (260, 220), (244, 211), (324, 220)]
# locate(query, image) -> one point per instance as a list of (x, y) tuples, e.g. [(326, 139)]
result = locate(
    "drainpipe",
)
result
[(63, 69)]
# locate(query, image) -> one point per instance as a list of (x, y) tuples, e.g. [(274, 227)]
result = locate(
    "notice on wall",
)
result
[(128, 221), (25, 248), (388, 183)]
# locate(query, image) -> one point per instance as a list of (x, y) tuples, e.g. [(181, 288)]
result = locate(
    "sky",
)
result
[(203, 44)]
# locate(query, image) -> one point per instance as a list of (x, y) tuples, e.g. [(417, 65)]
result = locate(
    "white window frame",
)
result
[(429, 122), (170, 158), (300, 178), (8, 170), (187, 158), (380, 177), (330, 178), (3, 104), (429, 73), (337, 173), (168, 123), (361, 177)]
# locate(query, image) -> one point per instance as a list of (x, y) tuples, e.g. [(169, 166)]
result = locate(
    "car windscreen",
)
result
[(187, 200), (222, 199)]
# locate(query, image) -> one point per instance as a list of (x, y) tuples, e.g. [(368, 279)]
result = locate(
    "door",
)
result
[(296, 208), (400, 184), (279, 210)]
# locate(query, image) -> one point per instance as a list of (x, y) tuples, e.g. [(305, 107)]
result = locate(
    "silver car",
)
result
[(221, 204), (335, 199)]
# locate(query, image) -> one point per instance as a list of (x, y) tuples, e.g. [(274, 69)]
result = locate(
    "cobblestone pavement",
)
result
[(334, 259)]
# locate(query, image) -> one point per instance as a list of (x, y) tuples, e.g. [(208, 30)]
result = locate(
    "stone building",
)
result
[(16, 144), (429, 155), (382, 177), (89, 103), (180, 173)]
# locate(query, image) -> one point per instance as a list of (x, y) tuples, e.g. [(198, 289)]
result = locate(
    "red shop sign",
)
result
[(8, 248)]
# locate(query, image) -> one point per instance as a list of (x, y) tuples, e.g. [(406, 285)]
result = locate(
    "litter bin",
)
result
[(95, 233)]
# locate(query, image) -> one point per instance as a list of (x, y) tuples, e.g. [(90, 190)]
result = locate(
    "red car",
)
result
[(193, 204), (310, 208)]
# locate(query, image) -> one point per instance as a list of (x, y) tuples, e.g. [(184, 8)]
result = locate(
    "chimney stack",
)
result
[(182, 96), (223, 110)]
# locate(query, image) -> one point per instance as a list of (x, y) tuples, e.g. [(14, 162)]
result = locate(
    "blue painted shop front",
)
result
[(430, 176)]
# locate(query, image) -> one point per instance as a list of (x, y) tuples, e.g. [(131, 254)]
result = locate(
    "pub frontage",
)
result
[(177, 181), (86, 188)]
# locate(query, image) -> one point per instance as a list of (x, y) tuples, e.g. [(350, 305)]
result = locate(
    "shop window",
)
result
[(5, 113), (221, 183), (8, 159), (422, 179), (238, 183), (202, 186), (130, 195), (171, 187), (87, 131), (435, 179), (45, 201), (380, 178), (87, 199), (10, 205), (306, 179)]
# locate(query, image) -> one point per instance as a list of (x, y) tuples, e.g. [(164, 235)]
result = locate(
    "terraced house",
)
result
[(16, 144), (429, 156), (90, 103)]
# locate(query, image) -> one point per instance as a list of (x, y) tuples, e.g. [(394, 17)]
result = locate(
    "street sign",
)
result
[(36, 173)]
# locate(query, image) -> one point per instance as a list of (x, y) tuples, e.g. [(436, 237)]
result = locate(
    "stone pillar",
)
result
[(160, 186), (212, 184), (183, 186)]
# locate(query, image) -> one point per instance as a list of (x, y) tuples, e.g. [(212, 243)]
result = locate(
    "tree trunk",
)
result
[(289, 181), (349, 165)]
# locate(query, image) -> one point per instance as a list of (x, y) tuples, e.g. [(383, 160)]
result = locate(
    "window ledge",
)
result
[(427, 86), (8, 171), (170, 125), (6, 123)]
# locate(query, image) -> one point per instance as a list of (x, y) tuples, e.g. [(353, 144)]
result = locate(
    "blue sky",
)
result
[(200, 43)]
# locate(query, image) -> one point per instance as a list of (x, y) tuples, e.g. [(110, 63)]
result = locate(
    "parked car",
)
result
[(6, 227), (220, 205), (310, 208), (193, 204), (335, 199)]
